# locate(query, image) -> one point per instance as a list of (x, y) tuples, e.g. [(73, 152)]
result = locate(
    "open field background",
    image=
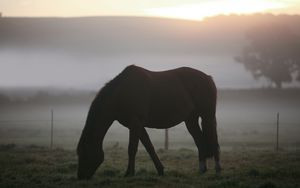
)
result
[(246, 120)]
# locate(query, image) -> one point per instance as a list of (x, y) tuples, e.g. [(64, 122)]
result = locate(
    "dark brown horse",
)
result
[(138, 98)]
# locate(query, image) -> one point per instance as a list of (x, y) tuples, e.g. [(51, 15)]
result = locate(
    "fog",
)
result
[(246, 120), (62, 71), (84, 53), (60, 63)]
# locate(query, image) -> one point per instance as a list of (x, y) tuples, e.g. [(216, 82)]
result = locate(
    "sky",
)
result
[(187, 9)]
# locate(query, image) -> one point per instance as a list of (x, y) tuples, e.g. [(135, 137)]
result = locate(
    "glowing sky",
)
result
[(187, 9)]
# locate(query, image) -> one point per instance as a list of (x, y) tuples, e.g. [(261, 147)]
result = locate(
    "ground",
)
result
[(32, 166)]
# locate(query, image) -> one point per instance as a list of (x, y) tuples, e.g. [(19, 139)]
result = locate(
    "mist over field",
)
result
[(246, 120), (60, 64), (85, 53), (52, 68)]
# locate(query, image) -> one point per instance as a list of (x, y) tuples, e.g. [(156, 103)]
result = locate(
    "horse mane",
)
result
[(110, 86), (107, 89), (101, 96)]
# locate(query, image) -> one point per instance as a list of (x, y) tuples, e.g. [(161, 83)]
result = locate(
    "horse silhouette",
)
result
[(139, 98)]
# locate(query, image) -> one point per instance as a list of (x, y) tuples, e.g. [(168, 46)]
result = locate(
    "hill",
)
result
[(134, 35)]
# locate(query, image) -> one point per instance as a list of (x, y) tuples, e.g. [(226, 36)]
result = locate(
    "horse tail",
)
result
[(209, 122)]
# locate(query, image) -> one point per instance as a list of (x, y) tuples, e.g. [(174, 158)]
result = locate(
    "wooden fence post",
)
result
[(51, 141), (277, 133), (166, 139)]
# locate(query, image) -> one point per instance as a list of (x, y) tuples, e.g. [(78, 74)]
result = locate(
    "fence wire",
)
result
[(66, 132)]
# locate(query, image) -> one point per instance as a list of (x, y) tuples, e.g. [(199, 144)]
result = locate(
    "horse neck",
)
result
[(97, 125)]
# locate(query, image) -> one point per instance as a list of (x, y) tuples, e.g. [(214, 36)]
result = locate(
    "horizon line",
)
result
[(155, 17)]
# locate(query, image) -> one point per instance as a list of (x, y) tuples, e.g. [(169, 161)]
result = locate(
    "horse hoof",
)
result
[(161, 173), (203, 170), (218, 169), (129, 174)]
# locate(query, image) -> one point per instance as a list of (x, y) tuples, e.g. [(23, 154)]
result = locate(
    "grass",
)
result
[(33, 166)]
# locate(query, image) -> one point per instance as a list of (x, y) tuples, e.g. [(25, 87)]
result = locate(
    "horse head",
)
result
[(90, 157)]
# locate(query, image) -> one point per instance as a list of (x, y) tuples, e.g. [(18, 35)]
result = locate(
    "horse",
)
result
[(138, 98)]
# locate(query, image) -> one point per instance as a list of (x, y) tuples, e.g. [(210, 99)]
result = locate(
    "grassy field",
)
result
[(246, 130), (32, 166)]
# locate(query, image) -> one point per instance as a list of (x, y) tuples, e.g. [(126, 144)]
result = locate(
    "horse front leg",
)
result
[(150, 149), (134, 135)]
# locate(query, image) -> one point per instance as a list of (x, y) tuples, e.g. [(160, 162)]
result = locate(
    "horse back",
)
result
[(162, 98)]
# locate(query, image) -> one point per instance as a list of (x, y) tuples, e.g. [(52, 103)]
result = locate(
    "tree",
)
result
[(273, 52)]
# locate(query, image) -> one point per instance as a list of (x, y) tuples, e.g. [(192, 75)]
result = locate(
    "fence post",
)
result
[(166, 139), (51, 141), (277, 132)]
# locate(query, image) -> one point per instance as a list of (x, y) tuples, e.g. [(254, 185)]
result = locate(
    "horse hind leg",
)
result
[(218, 167), (211, 139), (150, 149), (194, 129)]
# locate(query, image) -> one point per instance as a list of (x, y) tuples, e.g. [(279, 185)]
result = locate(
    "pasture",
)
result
[(34, 166), (246, 128)]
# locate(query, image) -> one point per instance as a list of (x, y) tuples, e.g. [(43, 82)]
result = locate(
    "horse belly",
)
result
[(169, 109)]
